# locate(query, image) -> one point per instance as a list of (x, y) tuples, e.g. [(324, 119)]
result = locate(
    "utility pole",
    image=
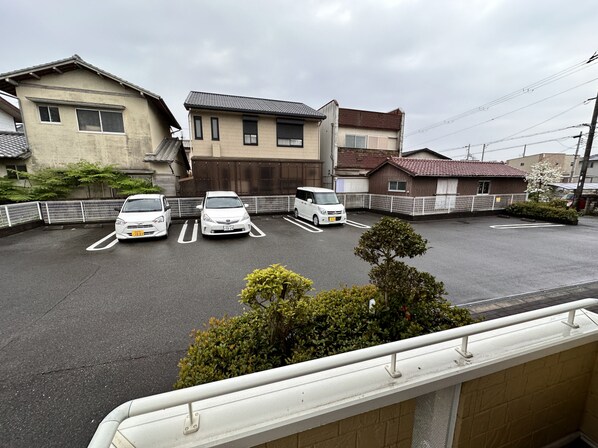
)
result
[(468, 155), (578, 137), (483, 150), (524, 149), (586, 157)]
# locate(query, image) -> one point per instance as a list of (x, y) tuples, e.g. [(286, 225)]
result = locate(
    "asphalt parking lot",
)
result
[(87, 323)]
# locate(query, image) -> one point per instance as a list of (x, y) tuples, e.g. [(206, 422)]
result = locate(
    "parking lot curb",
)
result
[(509, 305)]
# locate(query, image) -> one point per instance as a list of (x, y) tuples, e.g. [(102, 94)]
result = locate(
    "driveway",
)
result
[(86, 324)]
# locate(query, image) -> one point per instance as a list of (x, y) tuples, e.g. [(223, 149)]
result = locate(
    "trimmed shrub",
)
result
[(332, 322), (544, 212)]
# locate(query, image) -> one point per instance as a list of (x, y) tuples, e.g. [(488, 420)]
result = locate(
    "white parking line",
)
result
[(257, 229), (358, 225), (193, 239), (97, 243), (525, 226), (303, 225)]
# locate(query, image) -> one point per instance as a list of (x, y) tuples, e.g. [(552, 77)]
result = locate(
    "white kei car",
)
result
[(223, 213), (143, 216)]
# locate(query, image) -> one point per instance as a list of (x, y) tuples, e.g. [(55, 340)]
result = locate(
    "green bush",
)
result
[(279, 331), (543, 211)]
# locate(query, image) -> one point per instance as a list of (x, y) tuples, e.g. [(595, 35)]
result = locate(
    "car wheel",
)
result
[(296, 214), (316, 221)]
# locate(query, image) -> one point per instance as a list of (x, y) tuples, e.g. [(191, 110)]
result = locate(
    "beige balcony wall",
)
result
[(388, 427), (589, 425), (530, 405), (231, 144)]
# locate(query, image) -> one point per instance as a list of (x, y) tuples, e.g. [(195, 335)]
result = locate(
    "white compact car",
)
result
[(319, 205), (143, 216), (223, 213)]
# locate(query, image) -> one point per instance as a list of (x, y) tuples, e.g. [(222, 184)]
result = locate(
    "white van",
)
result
[(319, 205)]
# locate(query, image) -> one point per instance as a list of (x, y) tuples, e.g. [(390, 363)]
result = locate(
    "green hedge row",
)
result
[(332, 322), (543, 211)]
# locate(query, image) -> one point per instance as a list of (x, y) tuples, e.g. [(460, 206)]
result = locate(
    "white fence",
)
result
[(89, 211)]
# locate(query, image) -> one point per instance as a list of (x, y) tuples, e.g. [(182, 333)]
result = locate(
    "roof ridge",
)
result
[(247, 97)]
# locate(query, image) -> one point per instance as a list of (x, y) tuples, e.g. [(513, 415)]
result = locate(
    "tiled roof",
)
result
[(452, 168), (167, 151), (214, 101), (372, 120), (75, 62), (13, 145), (416, 152), (361, 158)]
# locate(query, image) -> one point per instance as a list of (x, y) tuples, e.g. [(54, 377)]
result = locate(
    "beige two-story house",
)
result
[(73, 111), (252, 145)]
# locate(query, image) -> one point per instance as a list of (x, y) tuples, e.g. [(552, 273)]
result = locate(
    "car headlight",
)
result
[(159, 219), (205, 217), (322, 210), (120, 222), (245, 216)]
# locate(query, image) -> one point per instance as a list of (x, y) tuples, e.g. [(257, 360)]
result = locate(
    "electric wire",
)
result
[(525, 90)]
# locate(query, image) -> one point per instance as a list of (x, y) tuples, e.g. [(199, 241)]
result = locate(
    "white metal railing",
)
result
[(109, 426), (89, 211)]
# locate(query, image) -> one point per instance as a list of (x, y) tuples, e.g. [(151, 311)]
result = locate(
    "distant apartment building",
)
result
[(557, 159)]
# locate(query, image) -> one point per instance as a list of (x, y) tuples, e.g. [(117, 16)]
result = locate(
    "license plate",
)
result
[(228, 228), (332, 219), (137, 233)]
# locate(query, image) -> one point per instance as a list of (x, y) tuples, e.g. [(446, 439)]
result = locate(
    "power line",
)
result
[(528, 89), (506, 113)]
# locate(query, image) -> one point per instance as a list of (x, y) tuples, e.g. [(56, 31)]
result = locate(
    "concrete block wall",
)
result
[(530, 405), (388, 427)]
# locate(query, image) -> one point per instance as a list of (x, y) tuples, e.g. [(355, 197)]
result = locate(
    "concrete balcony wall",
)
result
[(387, 427), (589, 424), (530, 405)]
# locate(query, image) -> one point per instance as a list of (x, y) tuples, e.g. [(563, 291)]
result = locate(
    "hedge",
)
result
[(543, 211)]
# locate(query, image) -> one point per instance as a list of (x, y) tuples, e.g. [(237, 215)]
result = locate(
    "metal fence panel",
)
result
[(61, 212), (380, 202), (15, 214)]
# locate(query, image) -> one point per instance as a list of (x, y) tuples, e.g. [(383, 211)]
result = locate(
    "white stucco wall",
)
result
[(7, 122)]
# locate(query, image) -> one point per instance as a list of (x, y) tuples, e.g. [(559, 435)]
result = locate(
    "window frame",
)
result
[(355, 137), (246, 133), (216, 121), (197, 119), (397, 182), (293, 142), (481, 185), (48, 107), (17, 168), (99, 111)]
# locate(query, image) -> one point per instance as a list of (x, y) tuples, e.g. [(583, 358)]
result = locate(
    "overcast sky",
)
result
[(436, 60)]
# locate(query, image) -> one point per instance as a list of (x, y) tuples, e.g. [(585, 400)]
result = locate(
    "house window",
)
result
[(215, 129), (522, 164), (356, 141), (12, 171), (396, 185), (249, 131), (198, 128), (49, 114), (289, 133), (100, 121), (484, 187)]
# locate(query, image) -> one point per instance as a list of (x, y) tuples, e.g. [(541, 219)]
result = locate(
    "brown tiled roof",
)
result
[(451, 168), (371, 120), (361, 158)]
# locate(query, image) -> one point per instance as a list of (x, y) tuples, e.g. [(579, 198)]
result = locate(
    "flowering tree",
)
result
[(538, 179)]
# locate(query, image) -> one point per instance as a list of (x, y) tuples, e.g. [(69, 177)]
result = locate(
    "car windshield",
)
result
[(326, 198), (142, 205), (224, 202)]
